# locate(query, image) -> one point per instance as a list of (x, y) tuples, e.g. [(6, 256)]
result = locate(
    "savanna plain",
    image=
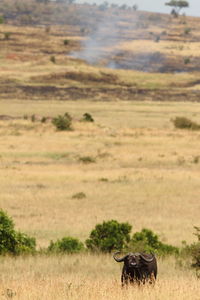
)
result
[(131, 163)]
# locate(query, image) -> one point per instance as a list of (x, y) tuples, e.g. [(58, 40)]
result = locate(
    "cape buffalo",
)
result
[(138, 268)]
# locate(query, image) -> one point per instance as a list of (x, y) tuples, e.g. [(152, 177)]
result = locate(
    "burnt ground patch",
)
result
[(50, 92)]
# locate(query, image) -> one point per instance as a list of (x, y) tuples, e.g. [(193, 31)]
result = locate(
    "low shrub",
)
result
[(53, 59), (194, 251), (25, 244), (33, 118), (109, 236), (11, 241), (185, 123), (63, 122), (87, 159), (187, 30), (147, 241), (1, 19), (187, 60), (66, 42), (7, 35), (87, 118), (80, 195), (66, 245)]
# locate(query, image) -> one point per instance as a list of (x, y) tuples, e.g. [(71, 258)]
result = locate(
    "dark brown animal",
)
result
[(138, 268)]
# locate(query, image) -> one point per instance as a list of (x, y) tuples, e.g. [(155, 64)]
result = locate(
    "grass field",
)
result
[(88, 277), (143, 171), (131, 163)]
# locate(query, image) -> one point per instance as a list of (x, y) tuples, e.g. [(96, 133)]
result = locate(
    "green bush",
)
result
[(53, 59), (12, 242), (109, 236), (147, 241), (7, 35), (63, 122), (187, 60), (194, 250), (25, 243), (80, 195), (187, 30), (87, 159), (185, 123), (66, 245), (87, 118), (1, 19), (66, 42)]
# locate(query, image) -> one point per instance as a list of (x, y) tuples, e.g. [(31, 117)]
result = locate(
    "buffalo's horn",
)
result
[(146, 258), (119, 259)]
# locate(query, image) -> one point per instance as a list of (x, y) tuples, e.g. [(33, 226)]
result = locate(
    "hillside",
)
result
[(76, 52)]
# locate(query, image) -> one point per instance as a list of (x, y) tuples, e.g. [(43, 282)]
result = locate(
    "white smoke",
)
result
[(99, 45)]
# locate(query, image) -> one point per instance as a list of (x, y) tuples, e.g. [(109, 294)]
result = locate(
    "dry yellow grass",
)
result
[(88, 277), (166, 47), (145, 171)]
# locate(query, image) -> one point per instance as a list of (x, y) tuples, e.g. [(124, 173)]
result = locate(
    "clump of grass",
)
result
[(187, 30), (7, 35), (79, 195), (87, 118), (1, 19), (196, 159), (43, 120), (33, 118), (47, 29), (185, 123), (66, 42), (187, 60), (53, 59), (63, 122), (103, 179), (87, 159)]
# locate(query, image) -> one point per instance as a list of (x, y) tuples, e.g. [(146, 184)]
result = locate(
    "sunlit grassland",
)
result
[(144, 171), (88, 277)]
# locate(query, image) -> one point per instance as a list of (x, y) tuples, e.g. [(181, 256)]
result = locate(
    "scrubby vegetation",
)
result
[(12, 241), (66, 245), (63, 122), (106, 237), (185, 123), (109, 236), (147, 241)]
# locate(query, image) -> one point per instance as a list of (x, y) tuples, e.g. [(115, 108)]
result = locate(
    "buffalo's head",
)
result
[(134, 260)]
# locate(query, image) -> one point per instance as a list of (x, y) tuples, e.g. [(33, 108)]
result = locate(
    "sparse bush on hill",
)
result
[(63, 122), (109, 236), (187, 60), (187, 30), (1, 19), (147, 241), (79, 195), (53, 59), (185, 123), (87, 159), (11, 241), (66, 42), (194, 251), (66, 245), (7, 35), (87, 118)]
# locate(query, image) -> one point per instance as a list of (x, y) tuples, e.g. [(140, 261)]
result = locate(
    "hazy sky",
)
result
[(153, 5)]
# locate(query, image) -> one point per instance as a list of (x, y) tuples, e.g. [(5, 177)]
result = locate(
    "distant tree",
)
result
[(135, 7), (177, 5)]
